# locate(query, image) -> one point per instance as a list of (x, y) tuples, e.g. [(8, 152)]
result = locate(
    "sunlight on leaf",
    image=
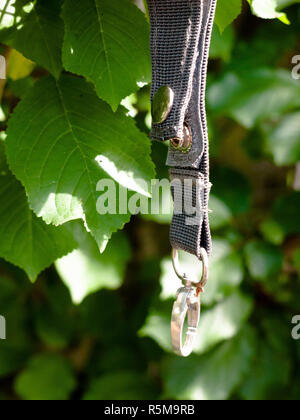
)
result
[(19, 66), (66, 127), (267, 9), (85, 271)]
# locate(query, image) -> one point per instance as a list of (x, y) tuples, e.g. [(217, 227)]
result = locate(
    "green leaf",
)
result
[(237, 200), (296, 260), (223, 321), (13, 355), (85, 271), (47, 377), (62, 140), (263, 260), (286, 3), (54, 316), (157, 326), (286, 213), (227, 12), (8, 291), (226, 272), (221, 214), (101, 309), (252, 96), (27, 241), (20, 87), (222, 44), (39, 35), (213, 376), (283, 141), (276, 370), (124, 385), (108, 43), (274, 359), (272, 231)]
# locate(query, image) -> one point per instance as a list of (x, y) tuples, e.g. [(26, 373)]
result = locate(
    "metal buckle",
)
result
[(187, 304)]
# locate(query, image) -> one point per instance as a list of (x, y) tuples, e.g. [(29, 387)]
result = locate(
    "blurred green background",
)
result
[(97, 327)]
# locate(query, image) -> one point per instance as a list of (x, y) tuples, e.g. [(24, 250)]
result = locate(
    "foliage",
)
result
[(75, 110)]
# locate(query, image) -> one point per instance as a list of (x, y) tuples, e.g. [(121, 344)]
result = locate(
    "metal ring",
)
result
[(187, 304), (183, 144), (183, 276)]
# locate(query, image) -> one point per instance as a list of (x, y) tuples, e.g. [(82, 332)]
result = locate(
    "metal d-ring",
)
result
[(183, 276), (187, 304)]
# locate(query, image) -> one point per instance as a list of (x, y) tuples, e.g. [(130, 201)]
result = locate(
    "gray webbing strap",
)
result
[(180, 40)]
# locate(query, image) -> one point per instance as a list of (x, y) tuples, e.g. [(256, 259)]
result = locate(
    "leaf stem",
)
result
[(147, 10)]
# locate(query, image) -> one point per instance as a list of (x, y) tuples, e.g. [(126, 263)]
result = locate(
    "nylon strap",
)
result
[(180, 40)]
